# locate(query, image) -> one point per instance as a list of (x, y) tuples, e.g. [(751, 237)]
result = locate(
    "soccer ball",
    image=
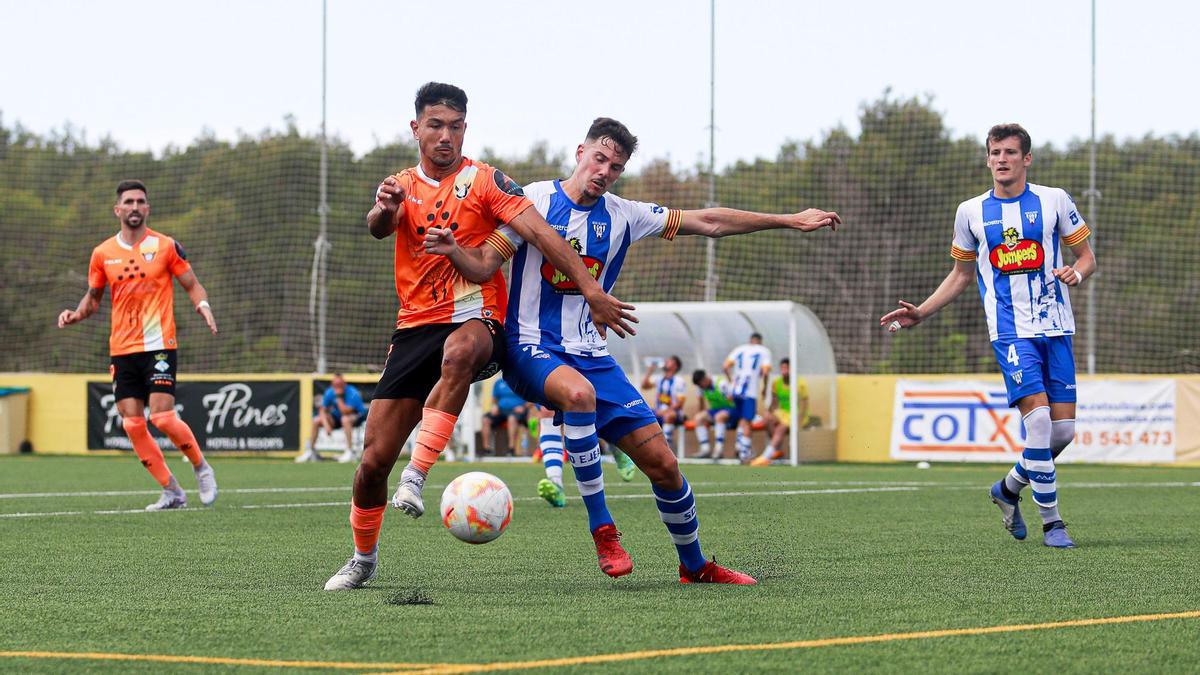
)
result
[(476, 507)]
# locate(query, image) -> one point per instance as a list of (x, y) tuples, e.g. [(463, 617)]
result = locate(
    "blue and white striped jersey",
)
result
[(544, 307), (1015, 245), (747, 363)]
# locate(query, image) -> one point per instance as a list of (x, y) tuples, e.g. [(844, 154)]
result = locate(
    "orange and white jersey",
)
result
[(472, 203), (143, 302)]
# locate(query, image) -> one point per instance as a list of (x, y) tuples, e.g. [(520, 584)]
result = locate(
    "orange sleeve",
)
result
[(504, 196), (177, 261), (96, 276)]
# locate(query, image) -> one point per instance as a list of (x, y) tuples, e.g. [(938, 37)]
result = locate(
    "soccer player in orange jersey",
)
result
[(449, 330), (140, 264)]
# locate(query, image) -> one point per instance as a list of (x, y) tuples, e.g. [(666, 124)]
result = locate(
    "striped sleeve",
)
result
[(674, 218), (961, 254), (1078, 236), (503, 244)]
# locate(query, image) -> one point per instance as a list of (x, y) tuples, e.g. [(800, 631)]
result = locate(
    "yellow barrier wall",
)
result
[(865, 406), (58, 409)]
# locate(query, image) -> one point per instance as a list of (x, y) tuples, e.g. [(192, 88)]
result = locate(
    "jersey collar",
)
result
[(571, 202)]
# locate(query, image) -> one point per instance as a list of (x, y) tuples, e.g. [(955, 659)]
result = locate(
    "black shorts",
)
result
[(139, 375), (414, 360)]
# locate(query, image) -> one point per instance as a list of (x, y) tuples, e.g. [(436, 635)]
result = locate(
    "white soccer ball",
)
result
[(476, 507)]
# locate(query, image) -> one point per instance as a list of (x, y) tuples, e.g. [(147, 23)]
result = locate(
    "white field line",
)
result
[(611, 485), (343, 503), (702, 495)]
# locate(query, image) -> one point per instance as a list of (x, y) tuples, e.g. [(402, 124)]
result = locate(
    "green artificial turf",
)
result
[(840, 551)]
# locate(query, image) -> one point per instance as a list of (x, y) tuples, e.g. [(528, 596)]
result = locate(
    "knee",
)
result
[(662, 468), (1062, 432), (459, 363), (133, 425), (581, 398), (1038, 427)]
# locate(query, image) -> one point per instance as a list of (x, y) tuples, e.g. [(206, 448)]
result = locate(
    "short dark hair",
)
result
[(678, 361), (619, 133), (756, 336), (1003, 131), (785, 361), (698, 376), (439, 93), (130, 184)]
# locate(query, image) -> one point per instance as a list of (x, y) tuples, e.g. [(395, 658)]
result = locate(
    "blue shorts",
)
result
[(730, 423), (620, 407), (1037, 365), (745, 408)]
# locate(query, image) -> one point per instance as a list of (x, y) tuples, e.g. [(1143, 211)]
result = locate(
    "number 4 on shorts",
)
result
[(1012, 355)]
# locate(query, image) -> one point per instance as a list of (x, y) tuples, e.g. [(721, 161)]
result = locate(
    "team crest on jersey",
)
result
[(1017, 256), (148, 248), (1017, 375), (1031, 216), (598, 227), (463, 181), (507, 185)]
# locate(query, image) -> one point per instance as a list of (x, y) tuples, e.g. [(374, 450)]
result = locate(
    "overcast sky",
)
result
[(153, 73)]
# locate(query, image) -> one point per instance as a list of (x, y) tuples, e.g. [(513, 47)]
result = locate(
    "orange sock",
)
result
[(365, 523), (147, 449), (180, 434), (436, 428)]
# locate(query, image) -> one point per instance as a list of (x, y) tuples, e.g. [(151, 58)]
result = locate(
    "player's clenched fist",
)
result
[(439, 241), (390, 194), (68, 317)]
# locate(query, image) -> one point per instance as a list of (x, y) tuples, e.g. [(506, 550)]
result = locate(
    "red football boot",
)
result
[(614, 561), (712, 573)]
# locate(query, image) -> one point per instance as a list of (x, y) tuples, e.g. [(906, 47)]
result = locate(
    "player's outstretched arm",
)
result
[(388, 198), (909, 315), (722, 222), (647, 383), (88, 304), (1084, 267), (607, 311), (476, 264), (199, 298)]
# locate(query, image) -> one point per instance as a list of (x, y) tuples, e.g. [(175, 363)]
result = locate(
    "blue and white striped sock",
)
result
[(551, 441), (583, 449), (1038, 463), (677, 508)]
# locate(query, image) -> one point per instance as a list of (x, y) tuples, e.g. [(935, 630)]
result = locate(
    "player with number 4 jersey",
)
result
[(1010, 240)]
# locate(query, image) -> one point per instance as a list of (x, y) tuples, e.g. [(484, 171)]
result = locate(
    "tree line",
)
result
[(246, 212)]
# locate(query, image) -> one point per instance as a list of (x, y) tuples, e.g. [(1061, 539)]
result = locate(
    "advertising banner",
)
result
[(224, 415), (970, 421)]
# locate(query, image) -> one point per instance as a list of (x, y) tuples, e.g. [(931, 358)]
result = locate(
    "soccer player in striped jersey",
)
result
[(670, 391), (748, 366), (140, 265), (557, 357), (1010, 241), (448, 329)]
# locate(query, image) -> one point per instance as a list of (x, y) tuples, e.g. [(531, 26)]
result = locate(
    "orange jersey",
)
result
[(472, 203), (143, 302)]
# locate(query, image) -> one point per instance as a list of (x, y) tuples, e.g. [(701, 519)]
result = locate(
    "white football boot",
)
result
[(206, 481), (353, 575), (408, 494), (169, 499)]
